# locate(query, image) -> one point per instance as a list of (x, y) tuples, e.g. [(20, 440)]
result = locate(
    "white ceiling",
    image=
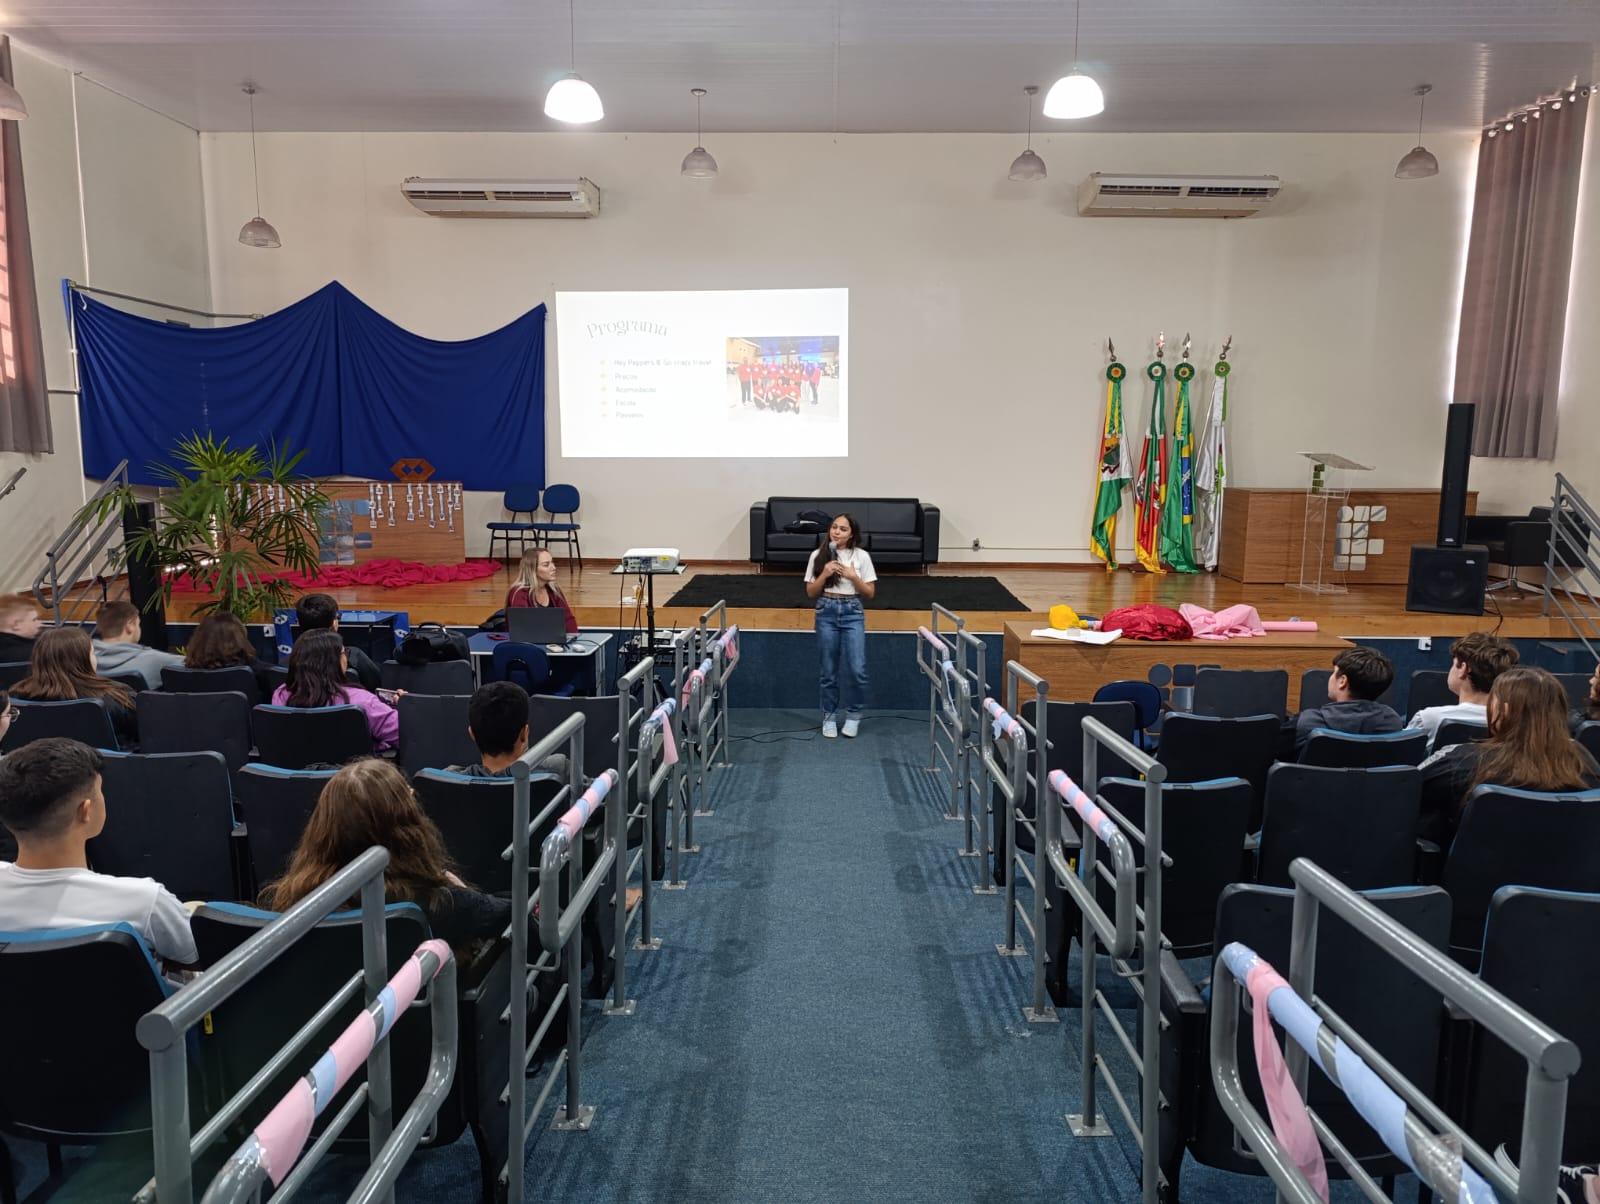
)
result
[(819, 65)]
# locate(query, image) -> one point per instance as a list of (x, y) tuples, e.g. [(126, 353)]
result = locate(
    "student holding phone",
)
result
[(317, 669)]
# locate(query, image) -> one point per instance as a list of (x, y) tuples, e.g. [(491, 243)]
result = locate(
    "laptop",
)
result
[(537, 624)]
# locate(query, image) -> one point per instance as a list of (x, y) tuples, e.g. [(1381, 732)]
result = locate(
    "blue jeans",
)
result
[(842, 632)]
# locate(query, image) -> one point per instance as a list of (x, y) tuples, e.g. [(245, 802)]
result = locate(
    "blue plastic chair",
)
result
[(528, 666), (561, 500), (519, 499), (1146, 699)]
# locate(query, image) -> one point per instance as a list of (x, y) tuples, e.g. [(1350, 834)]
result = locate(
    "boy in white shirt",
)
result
[(50, 799), (1476, 659)]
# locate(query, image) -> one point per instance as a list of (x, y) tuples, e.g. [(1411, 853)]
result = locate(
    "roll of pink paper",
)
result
[(1291, 625)]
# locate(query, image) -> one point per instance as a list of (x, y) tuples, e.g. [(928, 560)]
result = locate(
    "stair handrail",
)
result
[(1573, 522), (76, 549)]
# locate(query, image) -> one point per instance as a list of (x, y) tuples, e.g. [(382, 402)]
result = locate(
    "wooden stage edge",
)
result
[(1366, 610)]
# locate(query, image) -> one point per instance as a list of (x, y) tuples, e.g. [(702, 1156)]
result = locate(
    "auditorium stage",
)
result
[(1367, 610)]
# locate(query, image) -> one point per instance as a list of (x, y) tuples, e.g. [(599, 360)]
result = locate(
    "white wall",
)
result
[(142, 203), (976, 302)]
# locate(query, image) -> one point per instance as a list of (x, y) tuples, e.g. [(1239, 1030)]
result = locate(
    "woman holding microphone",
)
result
[(840, 577)]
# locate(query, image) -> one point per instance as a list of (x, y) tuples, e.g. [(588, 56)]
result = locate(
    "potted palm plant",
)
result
[(228, 518)]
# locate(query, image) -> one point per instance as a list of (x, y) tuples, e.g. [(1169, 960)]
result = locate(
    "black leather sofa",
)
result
[(896, 531)]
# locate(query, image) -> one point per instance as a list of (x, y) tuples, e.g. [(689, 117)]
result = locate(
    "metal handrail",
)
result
[(936, 662), (163, 1030), (1011, 780), (717, 643), (1573, 523), (1017, 677), (681, 788), (633, 690), (78, 547), (1369, 1079)]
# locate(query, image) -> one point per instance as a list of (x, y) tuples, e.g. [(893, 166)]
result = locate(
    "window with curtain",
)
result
[(24, 406), (1519, 270)]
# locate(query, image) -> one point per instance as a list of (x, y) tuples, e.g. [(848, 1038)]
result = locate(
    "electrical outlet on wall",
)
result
[(977, 545), (1425, 643)]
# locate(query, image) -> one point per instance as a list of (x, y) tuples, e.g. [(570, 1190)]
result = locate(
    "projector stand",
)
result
[(649, 576)]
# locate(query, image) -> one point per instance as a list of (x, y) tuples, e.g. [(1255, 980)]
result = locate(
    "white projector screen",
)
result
[(733, 374)]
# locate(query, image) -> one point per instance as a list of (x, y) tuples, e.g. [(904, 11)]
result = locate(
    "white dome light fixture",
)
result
[(258, 231), (11, 106), (1419, 162), (1028, 166), (572, 98), (698, 163), (1074, 95)]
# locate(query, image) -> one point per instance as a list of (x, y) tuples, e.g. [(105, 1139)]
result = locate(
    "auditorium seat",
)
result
[(441, 677), (11, 672), (294, 737), (433, 732), (218, 721), (169, 816), (1459, 731), (1429, 688), (275, 804), (1358, 824), (1589, 737), (1234, 693), (1353, 750), (1198, 748), (180, 679), (474, 816), (84, 719)]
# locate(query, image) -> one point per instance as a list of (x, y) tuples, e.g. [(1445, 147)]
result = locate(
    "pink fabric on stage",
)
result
[(1230, 623), (388, 574), (1291, 625), (1291, 1123)]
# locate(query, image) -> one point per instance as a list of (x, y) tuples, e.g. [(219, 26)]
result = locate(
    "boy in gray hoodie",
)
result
[(117, 649), (1360, 676)]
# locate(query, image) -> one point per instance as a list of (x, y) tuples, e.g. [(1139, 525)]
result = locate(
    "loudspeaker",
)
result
[(1447, 581), (1453, 488), (144, 580)]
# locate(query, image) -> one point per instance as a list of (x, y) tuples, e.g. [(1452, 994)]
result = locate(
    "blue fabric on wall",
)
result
[(328, 375), (146, 383)]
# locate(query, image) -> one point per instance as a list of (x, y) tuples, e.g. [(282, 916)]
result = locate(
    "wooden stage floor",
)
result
[(1369, 610)]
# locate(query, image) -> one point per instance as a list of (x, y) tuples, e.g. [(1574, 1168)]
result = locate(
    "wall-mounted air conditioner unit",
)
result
[(1105, 195), (504, 198)]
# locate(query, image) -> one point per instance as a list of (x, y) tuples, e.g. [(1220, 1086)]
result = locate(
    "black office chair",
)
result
[(433, 732), (1519, 837), (74, 1071), (169, 816), (561, 500), (1528, 956), (1358, 824), (1378, 996), (180, 679), (1459, 731), (11, 672), (526, 664), (1350, 750), (276, 805), (518, 499), (183, 722), (82, 719), (1517, 541), (1199, 748), (294, 737), (1429, 688), (439, 677), (1235, 693)]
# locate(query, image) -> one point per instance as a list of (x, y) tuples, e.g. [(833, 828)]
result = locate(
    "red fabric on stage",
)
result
[(388, 574)]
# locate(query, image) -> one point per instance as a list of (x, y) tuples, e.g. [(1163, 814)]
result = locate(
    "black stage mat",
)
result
[(775, 590)]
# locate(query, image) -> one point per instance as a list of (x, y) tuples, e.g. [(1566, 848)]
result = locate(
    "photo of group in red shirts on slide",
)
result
[(791, 375)]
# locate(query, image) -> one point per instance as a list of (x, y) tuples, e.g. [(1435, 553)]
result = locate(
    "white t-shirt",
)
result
[(37, 900), (856, 558), (1429, 718)]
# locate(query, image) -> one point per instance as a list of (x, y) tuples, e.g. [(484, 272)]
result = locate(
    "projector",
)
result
[(650, 560)]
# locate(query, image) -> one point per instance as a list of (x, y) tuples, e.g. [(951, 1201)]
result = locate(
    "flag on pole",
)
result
[(1177, 513), (1211, 468), (1149, 487), (1113, 475)]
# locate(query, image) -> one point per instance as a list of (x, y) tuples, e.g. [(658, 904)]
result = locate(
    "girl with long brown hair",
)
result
[(1529, 747), (221, 642), (62, 668), (366, 803), (317, 669)]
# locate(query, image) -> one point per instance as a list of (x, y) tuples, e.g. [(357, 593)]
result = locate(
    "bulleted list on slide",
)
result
[(707, 374)]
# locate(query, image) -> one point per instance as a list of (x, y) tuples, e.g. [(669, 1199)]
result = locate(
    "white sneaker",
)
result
[(852, 726), (1569, 1183), (830, 729)]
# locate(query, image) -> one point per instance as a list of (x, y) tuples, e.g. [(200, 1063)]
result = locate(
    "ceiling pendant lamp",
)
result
[(1074, 95), (572, 98), (1027, 165), (11, 106), (698, 163), (258, 231), (1419, 162)]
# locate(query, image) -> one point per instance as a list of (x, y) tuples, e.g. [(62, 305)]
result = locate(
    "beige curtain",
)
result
[(1519, 265), (24, 407)]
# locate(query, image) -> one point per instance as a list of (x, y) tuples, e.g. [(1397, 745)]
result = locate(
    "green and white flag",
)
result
[(1211, 469), (1113, 472)]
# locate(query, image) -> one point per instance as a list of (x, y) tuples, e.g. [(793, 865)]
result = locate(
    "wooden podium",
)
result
[(1262, 532)]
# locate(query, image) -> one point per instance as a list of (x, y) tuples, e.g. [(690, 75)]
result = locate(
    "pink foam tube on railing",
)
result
[(729, 643), (669, 744), (1289, 625), (696, 675), (1004, 724), (1088, 810), (588, 803), (933, 639)]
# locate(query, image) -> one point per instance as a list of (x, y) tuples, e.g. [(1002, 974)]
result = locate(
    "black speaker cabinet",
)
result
[(144, 580), (1447, 581), (1453, 485)]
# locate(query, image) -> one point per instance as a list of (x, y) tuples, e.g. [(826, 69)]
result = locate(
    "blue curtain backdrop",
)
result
[(328, 375)]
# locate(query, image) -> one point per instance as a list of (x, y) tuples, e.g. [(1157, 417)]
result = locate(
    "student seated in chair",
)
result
[(221, 642), (51, 802), (317, 678), (117, 650), (497, 721), (20, 622), (1529, 748), (1476, 659), (319, 612), (1359, 678), (63, 668)]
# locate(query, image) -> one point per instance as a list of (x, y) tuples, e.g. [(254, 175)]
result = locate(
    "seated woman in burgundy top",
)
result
[(535, 585)]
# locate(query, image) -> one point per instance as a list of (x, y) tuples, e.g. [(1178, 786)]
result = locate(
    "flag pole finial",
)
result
[(1111, 348), (1161, 345), (1187, 343), (1226, 343)]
